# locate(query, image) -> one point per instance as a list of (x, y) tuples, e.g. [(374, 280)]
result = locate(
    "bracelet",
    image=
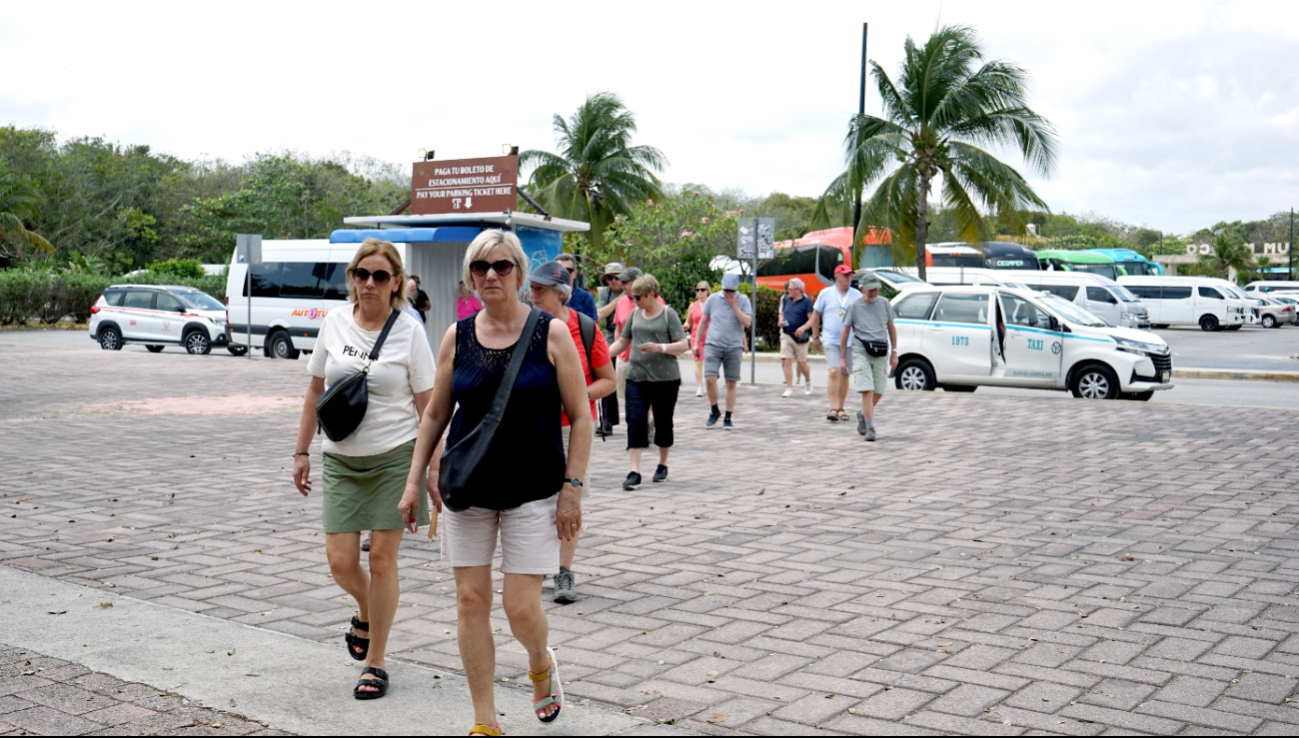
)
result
[(301, 453)]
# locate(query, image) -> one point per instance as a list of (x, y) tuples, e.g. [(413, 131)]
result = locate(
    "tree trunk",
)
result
[(922, 225)]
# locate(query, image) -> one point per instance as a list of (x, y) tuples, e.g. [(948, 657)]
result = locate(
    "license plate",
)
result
[(1163, 378)]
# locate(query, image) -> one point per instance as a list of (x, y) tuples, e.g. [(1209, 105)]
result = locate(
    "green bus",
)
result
[(1079, 261)]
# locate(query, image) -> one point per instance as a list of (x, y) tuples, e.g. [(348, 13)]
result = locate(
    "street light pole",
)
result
[(1291, 243), (861, 110)]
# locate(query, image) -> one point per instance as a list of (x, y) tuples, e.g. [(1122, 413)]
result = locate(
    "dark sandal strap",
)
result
[(360, 625), (379, 685), (383, 675)]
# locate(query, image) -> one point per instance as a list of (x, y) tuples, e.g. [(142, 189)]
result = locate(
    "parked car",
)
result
[(1287, 298), (1187, 301), (960, 338), (157, 316), (1271, 313)]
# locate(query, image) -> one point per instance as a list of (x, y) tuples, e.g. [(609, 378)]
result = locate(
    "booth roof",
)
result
[(468, 219), (445, 234)]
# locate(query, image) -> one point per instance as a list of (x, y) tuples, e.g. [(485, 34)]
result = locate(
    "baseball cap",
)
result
[(549, 274), (869, 282), (842, 269), (631, 275), (612, 269), (730, 281)]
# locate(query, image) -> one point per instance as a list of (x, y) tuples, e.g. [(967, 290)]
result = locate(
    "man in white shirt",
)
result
[(827, 326)]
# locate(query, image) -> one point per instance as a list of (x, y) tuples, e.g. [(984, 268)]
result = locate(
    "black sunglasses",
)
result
[(362, 275), (502, 267), (701, 289)]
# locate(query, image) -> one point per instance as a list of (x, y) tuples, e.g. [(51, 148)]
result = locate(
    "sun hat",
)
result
[(549, 274), (612, 269), (842, 269), (631, 275), (869, 282), (730, 282)]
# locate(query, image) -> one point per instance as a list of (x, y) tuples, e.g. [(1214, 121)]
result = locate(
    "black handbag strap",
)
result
[(502, 399), (374, 352)]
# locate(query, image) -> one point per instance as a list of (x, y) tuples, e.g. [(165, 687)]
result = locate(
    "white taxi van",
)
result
[(960, 338)]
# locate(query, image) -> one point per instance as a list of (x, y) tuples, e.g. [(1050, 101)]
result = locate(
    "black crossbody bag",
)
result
[(342, 408), (461, 461), (875, 348)]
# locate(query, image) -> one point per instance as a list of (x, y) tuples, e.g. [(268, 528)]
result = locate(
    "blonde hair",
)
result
[(372, 247), (487, 242), (645, 284)]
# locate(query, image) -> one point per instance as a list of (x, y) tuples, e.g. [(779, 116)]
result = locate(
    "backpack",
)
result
[(586, 327)]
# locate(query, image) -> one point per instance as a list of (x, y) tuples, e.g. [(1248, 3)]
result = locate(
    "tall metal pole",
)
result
[(1291, 243), (753, 317), (861, 110)]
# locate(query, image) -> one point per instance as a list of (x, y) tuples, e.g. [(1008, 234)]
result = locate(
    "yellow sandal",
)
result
[(487, 730)]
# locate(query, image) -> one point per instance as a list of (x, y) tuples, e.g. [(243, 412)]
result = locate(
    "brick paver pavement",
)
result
[(40, 695), (992, 565)]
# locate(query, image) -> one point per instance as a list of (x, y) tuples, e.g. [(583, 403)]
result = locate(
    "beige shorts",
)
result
[(791, 349), (870, 373), (529, 540), (567, 432)]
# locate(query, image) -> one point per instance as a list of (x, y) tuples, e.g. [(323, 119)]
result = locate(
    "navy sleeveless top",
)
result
[(526, 460)]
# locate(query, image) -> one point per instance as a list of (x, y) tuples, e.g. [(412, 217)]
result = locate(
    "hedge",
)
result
[(49, 297)]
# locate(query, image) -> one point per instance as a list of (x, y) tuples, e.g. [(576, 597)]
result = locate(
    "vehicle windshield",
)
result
[(1013, 262), (1123, 293), (1139, 269), (893, 276), (959, 260), (1105, 270), (199, 301), (1071, 312)]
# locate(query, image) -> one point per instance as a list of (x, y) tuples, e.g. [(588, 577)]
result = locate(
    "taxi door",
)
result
[(170, 318), (959, 337), (1034, 352)]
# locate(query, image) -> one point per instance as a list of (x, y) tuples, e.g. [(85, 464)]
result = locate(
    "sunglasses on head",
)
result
[(502, 267), (362, 275)]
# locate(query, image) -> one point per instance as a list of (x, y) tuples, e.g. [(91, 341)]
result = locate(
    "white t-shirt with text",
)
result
[(405, 367)]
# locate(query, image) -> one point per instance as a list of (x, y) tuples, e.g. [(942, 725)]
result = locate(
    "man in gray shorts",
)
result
[(869, 329), (727, 315)]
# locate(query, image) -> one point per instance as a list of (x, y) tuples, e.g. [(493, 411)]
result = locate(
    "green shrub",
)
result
[(183, 268), (22, 294), (74, 294)]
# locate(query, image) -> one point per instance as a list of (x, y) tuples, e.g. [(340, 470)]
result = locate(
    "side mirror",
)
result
[(1055, 324)]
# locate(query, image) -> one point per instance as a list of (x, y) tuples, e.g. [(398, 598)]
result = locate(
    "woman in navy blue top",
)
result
[(525, 493)]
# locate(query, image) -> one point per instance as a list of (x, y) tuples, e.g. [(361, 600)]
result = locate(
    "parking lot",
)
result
[(993, 564)]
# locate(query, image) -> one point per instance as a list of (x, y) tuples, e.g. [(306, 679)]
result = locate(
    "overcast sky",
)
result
[(1173, 115)]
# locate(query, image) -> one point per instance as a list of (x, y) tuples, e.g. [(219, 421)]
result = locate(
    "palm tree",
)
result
[(1229, 253), (18, 200), (938, 123), (597, 173)]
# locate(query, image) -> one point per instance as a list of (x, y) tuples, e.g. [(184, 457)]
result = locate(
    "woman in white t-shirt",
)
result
[(365, 473)]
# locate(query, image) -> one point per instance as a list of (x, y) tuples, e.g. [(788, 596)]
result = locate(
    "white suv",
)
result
[(156, 316)]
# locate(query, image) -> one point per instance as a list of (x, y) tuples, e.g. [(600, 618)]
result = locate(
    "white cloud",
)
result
[(1175, 115)]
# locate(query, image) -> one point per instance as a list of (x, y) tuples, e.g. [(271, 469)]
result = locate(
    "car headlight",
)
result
[(1140, 347), (1131, 316)]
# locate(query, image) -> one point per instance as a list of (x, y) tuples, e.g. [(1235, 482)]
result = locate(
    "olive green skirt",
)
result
[(362, 492)]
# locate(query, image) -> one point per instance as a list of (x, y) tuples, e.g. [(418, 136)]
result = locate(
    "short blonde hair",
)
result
[(372, 247), (645, 284), (487, 242)]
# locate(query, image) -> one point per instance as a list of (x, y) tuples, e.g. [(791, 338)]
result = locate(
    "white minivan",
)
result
[(1187, 301), (960, 338), (945, 275), (1095, 293), (1272, 285), (295, 286)]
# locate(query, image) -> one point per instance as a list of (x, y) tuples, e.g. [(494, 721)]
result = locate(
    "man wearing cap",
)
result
[(727, 315), (870, 332), (605, 307), (829, 312)]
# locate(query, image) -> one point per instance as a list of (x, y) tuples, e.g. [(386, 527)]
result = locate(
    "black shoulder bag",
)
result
[(459, 462), (342, 408)]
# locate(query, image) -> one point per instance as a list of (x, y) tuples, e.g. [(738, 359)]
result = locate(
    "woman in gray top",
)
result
[(656, 338)]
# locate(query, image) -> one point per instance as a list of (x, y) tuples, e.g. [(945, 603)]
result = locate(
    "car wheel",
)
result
[(110, 339), (237, 350), (1138, 396), (281, 347), (155, 349), (915, 374), (962, 388), (1208, 324), (1269, 321), (1095, 382), (197, 342)]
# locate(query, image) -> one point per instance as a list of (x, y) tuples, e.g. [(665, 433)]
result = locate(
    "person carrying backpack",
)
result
[(551, 291)]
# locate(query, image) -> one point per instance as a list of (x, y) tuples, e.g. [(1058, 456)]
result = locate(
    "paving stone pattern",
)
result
[(40, 695), (992, 565)]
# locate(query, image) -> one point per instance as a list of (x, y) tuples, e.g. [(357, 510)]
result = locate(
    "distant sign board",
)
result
[(248, 248), (756, 234), (464, 186)]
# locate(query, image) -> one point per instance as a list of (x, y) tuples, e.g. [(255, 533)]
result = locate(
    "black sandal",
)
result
[(380, 684), (355, 642)]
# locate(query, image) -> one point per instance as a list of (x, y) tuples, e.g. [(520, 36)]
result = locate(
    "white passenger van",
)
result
[(1272, 285), (960, 338), (1097, 294), (1187, 301), (944, 275), (295, 286), (1236, 294)]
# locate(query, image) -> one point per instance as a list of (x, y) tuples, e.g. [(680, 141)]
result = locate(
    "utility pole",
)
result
[(861, 110), (1291, 243)]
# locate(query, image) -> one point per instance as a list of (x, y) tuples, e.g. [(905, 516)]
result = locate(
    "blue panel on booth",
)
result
[(445, 234), (540, 245)]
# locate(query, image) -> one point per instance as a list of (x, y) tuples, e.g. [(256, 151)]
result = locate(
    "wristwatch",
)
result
[(575, 482)]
